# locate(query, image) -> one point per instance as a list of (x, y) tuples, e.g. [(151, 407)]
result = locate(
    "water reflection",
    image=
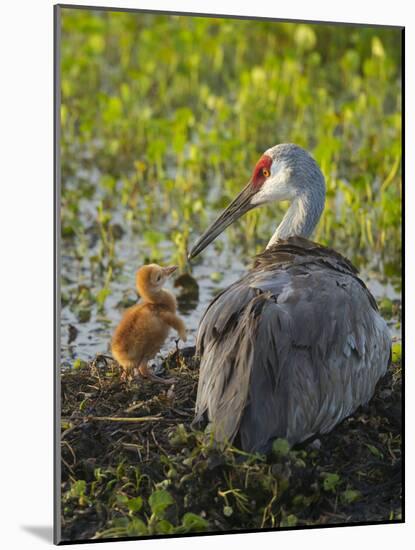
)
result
[(84, 340)]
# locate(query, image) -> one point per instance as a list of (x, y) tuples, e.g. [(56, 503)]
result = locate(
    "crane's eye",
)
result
[(265, 172)]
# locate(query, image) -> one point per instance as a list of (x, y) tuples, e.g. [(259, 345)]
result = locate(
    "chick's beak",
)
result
[(169, 270), (238, 207)]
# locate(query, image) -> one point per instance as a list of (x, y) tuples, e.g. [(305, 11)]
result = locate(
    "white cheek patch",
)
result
[(276, 187)]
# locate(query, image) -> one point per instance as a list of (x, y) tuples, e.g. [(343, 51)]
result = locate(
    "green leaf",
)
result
[(227, 511), (97, 43), (179, 437), (374, 450), (153, 238), (350, 495), (79, 364), (193, 522), (280, 447), (121, 522), (289, 521), (164, 527), (386, 307), (377, 47), (135, 504), (305, 37), (122, 499), (108, 182), (330, 482), (102, 295), (98, 473), (82, 404), (159, 501), (78, 488), (396, 352), (137, 527), (112, 110)]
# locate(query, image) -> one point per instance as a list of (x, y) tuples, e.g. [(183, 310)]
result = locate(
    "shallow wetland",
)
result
[(162, 121)]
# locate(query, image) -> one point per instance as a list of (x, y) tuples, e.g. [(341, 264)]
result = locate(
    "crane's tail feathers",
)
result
[(224, 384)]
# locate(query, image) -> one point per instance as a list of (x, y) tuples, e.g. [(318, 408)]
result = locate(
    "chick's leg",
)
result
[(126, 375), (145, 372)]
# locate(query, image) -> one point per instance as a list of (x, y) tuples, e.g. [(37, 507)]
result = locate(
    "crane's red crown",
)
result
[(262, 171)]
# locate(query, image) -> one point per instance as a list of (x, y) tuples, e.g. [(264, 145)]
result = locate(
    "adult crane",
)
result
[(297, 344)]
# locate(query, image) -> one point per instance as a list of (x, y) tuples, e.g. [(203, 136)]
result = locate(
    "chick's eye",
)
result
[(265, 172)]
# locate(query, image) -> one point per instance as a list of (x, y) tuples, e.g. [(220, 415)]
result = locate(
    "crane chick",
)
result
[(145, 326)]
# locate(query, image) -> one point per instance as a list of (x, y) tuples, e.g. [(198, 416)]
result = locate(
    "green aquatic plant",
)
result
[(155, 522), (188, 133), (132, 461), (162, 121)]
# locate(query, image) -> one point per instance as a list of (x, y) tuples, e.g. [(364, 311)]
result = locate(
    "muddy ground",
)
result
[(132, 465)]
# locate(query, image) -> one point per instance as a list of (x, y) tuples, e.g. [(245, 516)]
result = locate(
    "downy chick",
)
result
[(145, 326)]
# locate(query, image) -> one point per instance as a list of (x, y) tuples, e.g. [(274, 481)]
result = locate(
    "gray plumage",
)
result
[(297, 344), (307, 201)]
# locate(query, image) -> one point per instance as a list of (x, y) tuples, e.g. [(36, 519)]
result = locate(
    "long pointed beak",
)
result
[(169, 270), (238, 207)]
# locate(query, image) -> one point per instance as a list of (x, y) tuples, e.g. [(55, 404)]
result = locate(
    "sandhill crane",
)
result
[(297, 344)]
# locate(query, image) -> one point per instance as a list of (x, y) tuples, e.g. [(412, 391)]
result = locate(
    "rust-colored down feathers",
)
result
[(145, 326)]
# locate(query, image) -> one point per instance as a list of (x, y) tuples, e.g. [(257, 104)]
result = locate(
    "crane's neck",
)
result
[(301, 218)]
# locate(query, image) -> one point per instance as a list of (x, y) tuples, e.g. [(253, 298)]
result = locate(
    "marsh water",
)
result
[(162, 121), (87, 332), (94, 336)]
